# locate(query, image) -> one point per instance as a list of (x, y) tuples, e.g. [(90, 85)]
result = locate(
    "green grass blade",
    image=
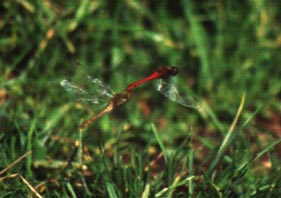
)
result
[(71, 190), (29, 146), (159, 140), (110, 187)]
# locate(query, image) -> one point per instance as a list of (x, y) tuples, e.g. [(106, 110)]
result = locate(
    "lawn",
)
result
[(227, 144)]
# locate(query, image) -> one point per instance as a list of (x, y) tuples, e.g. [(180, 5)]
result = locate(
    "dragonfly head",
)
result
[(167, 71)]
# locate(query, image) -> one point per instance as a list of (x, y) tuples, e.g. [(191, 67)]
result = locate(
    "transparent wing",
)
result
[(91, 91), (170, 91), (99, 88)]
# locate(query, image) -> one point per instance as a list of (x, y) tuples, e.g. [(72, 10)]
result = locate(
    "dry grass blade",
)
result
[(227, 138), (15, 162), (18, 175)]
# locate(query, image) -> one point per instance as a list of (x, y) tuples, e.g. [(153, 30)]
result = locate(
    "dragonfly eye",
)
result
[(174, 70), (167, 71)]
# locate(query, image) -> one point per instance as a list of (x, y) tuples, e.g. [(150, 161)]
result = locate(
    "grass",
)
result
[(228, 55)]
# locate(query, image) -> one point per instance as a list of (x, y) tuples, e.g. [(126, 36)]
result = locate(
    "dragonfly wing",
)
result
[(78, 92), (99, 87), (71, 87), (170, 91)]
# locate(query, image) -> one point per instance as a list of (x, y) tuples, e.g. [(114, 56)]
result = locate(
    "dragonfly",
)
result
[(118, 99)]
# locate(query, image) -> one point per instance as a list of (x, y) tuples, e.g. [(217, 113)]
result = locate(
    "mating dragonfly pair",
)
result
[(118, 99)]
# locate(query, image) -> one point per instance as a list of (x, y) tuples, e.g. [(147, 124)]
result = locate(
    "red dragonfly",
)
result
[(118, 99)]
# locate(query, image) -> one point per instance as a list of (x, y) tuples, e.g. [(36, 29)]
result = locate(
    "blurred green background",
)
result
[(222, 49)]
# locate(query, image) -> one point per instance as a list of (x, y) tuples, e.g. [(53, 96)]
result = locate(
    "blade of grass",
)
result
[(258, 155), (79, 144), (111, 190), (159, 140), (29, 146), (52, 120), (253, 115), (227, 138), (15, 162), (71, 190), (146, 191), (190, 166), (161, 192), (177, 183), (30, 187)]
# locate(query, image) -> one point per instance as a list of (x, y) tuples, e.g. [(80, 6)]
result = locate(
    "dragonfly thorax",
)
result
[(121, 98)]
